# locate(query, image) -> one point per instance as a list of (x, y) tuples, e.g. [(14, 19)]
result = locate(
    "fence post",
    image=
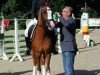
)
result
[(16, 42), (58, 41), (2, 24), (4, 56)]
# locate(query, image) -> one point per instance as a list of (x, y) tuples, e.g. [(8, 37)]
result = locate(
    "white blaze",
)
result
[(49, 13)]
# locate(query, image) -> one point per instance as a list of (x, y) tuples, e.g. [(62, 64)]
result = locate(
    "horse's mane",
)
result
[(42, 16)]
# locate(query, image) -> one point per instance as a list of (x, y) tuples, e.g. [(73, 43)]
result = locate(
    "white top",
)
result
[(29, 22)]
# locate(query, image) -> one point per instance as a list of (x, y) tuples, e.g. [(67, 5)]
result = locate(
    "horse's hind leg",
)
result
[(48, 57)]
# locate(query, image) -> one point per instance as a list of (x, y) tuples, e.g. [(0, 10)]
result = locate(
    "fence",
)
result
[(14, 37), (12, 42)]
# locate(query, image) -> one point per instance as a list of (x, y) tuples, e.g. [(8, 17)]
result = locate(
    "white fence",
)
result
[(2, 50), (93, 22)]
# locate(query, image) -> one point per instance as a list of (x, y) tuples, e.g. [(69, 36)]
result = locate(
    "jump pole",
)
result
[(4, 56), (16, 43)]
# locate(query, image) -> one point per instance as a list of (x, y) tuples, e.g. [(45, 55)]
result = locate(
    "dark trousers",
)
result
[(54, 40), (28, 43), (28, 39), (35, 8)]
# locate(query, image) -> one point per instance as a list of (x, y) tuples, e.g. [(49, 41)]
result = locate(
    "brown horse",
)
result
[(42, 42)]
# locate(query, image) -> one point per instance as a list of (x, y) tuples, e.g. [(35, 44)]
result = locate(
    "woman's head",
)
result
[(67, 12)]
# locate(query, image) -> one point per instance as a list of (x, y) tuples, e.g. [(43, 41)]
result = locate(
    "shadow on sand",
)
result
[(77, 72), (16, 73), (97, 44), (85, 72)]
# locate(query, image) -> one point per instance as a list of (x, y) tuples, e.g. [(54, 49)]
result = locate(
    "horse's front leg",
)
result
[(34, 70), (36, 62), (48, 57), (43, 65)]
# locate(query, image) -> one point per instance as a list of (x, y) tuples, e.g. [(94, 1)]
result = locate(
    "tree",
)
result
[(57, 5), (16, 8), (22, 9)]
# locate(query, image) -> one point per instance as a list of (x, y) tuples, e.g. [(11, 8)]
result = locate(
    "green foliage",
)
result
[(21, 9), (9, 6), (16, 9), (57, 5), (93, 13)]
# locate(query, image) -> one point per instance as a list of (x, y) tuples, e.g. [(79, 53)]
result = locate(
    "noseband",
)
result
[(48, 24)]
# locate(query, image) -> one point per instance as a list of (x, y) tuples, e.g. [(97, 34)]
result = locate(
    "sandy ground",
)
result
[(87, 62)]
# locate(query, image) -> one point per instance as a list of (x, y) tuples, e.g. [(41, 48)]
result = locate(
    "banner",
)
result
[(95, 22)]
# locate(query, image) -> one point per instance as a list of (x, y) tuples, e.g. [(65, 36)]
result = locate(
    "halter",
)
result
[(47, 24)]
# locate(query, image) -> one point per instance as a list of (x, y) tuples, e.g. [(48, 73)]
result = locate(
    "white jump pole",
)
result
[(2, 24), (4, 57), (16, 43), (58, 41), (85, 29)]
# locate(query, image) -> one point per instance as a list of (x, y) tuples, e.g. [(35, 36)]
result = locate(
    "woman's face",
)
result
[(65, 13)]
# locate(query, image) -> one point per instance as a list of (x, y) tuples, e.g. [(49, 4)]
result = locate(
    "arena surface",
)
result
[(87, 62)]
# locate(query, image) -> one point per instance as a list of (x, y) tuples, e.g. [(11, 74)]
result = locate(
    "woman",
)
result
[(68, 41)]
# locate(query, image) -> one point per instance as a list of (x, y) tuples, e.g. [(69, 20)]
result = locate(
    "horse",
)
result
[(42, 42)]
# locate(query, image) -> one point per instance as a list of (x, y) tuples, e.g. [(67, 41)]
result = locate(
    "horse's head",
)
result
[(45, 15)]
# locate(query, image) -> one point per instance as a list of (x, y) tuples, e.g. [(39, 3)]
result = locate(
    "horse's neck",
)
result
[(41, 27), (40, 32)]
